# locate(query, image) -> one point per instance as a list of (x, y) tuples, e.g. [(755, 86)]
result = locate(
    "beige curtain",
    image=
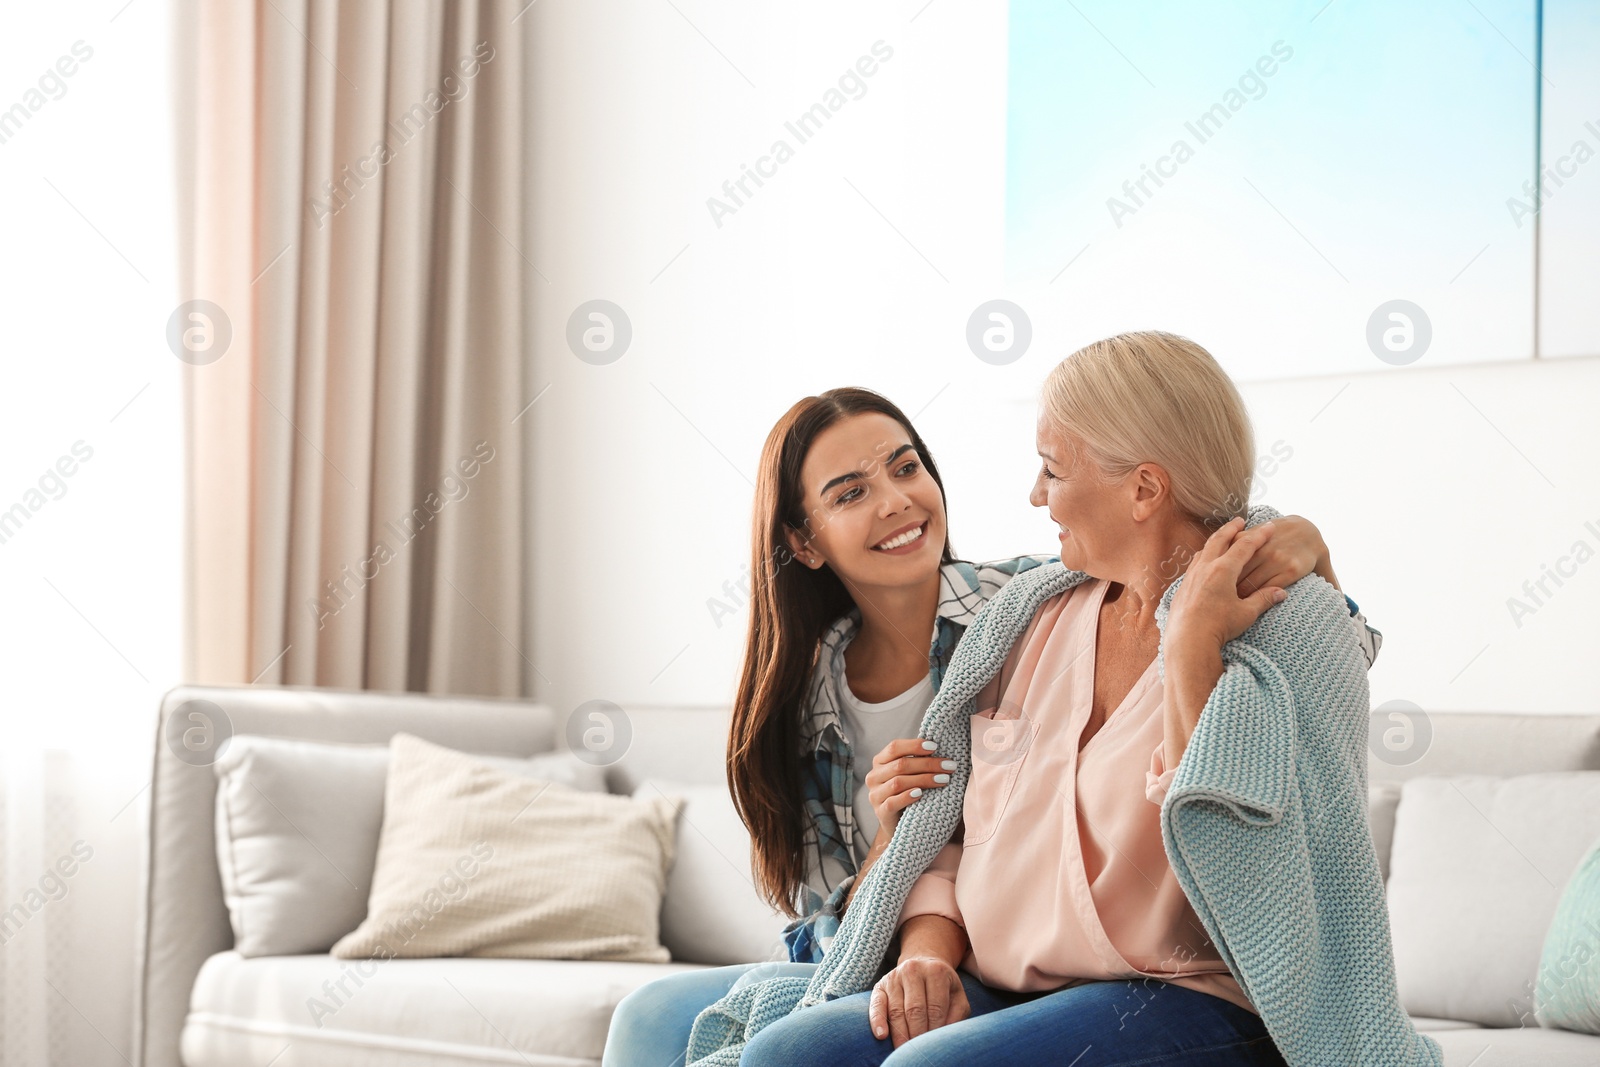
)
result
[(350, 174)]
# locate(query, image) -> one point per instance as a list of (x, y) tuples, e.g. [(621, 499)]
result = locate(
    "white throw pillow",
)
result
[(297, 827), (473, 861), (1475, 872), (712, 912)]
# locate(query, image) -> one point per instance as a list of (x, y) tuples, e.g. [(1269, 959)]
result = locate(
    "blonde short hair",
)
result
[(1154, 397)]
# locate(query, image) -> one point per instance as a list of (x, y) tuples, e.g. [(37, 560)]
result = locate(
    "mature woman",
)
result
[(857, 602), (1053, 928)]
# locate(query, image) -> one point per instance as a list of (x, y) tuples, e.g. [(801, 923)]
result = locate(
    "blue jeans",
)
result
[(1099, 1024), (650, 1027)]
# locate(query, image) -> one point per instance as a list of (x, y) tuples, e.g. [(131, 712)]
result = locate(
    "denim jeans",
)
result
[(1099, 1024), (650, 1027)]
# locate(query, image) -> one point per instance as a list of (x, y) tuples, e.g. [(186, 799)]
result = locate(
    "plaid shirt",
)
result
[(830, 783)]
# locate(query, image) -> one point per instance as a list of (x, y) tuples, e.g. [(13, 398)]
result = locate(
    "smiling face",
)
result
[(1096, 517), (876, 514)]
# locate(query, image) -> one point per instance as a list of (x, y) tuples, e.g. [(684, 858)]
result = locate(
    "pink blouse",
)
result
[(1059, 876)]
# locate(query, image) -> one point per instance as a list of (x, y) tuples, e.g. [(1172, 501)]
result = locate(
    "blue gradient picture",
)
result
[(1262, 177)]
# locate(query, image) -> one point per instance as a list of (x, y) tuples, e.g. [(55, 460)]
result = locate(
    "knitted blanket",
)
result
[(1272, 849), (1265, 826)]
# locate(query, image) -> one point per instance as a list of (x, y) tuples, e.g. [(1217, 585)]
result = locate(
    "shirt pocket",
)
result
[(999, 748)]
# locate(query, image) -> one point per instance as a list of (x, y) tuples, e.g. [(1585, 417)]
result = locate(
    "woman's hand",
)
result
[(898, 776), (922, 993), (1206, 613), (1208, 609), (1294, 550)]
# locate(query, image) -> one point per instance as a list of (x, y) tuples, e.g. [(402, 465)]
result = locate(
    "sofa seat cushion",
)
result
[(1528, 1046), (1427, 1025), (329, 1012)]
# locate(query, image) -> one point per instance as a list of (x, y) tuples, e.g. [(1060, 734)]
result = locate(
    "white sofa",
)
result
[(200, 1004)]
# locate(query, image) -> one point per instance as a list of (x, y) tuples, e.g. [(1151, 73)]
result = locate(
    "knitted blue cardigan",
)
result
[(1264, 823)]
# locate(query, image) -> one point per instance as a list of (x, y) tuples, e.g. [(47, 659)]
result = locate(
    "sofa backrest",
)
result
[(182, 918), (1469, 742), (684, 744), (1497, 743)]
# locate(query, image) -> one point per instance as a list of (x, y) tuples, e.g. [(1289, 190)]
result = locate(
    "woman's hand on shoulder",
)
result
[(1207, 610), (1293, 550), (898, 776), (922, 993)]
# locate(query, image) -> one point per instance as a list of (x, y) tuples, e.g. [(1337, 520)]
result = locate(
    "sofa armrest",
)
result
[(182, 918)]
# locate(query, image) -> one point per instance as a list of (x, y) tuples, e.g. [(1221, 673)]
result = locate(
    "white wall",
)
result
[(1441, 492), (858, 263), (641, 469)]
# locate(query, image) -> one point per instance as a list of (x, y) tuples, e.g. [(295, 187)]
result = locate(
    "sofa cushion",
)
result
[(1527, 1046), (406, 1013), (1475, 871), (1425, 1025), (473, 861), (1383, 799), (712, 912), (297, 834), (1502, 744), (1568, 991)]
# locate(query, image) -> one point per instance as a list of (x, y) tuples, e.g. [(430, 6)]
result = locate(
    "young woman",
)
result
[(857, 603)]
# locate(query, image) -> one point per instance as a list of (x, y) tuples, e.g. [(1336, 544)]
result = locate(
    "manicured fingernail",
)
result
[(1280, 595), (941, 778), (916, 792), (930, 745), (949, 764)]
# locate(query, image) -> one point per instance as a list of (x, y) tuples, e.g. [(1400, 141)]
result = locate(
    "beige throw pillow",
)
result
[(473, 861)]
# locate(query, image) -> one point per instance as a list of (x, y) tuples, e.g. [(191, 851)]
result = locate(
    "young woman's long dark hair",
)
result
[(791, 609)]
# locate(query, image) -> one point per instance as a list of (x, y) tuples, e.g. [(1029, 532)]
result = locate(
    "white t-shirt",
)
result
[(868, 727)]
